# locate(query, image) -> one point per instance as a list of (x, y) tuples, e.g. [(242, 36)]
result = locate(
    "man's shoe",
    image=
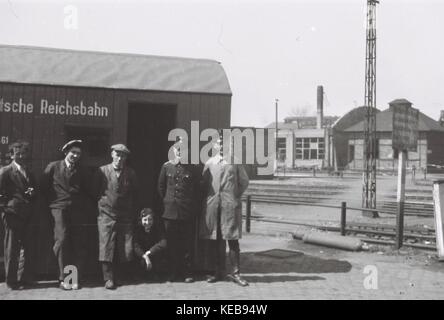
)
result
[(189, 280), (14, 286), (64, 286), (109, 284), (28, 283), (237, 279), (75, 286), (172, 278)]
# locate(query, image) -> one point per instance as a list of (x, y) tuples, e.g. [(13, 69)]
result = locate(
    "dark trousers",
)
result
[(179, 236), (123, 270), (14, 241), (217, 250), (70, 245)]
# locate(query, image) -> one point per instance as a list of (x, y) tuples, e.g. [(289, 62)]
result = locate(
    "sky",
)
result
[(270, 49)]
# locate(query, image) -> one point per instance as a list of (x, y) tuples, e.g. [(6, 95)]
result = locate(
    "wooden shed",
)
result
[(49, 96)]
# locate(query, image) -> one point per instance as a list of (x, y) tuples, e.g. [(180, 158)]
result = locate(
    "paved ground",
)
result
[(295, 271)]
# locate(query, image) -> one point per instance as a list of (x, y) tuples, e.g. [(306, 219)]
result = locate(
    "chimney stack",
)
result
[(320, 112), (441, 119)]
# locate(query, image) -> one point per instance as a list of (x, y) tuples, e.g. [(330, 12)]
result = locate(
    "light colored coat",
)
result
[(223, 186)]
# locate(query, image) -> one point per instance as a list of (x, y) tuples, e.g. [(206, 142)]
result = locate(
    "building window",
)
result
[(282, 143), (282, 148), (310, 148)]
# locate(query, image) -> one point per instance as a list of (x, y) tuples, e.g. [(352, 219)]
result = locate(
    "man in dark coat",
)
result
[(223, 183), (178, 186), (150, 243), (17, 193), (116, 187), (65, 185)]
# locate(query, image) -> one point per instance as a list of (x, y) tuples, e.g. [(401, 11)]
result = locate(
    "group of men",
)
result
[(129, 235)]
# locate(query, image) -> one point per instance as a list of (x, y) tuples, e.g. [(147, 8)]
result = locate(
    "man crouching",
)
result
[(149, 245)]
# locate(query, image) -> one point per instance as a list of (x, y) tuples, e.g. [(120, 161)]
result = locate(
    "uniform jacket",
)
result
[(223, 185), (178, 187), (65, 188), (117, 196), (13, 186)]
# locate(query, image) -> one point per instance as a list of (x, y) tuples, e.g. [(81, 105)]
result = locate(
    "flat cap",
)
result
[(120, 147), (146, 211), (72, 143)]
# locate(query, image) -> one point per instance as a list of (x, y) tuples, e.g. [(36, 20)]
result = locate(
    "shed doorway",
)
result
[(148, 128)]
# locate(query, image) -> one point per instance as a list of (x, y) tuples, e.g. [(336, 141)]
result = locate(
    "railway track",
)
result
[(415, 237), (387, 207)]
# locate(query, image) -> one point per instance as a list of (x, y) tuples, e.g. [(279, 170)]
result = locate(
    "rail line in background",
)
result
[(414, 237)]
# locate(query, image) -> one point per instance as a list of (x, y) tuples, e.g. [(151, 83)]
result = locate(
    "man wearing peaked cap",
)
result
[(120, 148), (71, 144), (178, 185), (65, 185), (115, 187)]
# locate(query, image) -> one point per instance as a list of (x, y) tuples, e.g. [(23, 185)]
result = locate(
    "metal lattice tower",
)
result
[(369, 183)]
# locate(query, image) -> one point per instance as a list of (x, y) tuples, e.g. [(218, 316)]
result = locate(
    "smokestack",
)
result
[(441, 119), (320, 112)]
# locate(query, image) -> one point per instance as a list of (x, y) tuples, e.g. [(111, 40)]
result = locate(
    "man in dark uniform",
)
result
[(116, 188), (65, 185), (17, 192), (178, 186)]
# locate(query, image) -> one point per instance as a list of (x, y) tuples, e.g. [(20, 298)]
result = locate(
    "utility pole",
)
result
[(277, 136), (370, 145)]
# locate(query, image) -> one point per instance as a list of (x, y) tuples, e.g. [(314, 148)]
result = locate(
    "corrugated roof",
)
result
[(35, 65), (281, 125), (384, 123)]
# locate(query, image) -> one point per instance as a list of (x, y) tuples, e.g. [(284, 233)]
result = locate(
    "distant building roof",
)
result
[(35, 65), (351, 118), (298, 123), (384, 122), (400, 101)]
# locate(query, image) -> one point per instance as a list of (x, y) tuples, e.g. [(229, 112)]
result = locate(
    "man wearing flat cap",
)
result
[(178, 187), (116, 188), (17, 194), (65, 185)]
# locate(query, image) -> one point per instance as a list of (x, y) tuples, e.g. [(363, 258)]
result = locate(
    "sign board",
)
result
[(438, 201), (405, 128)]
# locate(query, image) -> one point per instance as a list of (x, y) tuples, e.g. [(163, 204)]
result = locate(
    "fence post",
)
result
[(248, 220), (343, 217)]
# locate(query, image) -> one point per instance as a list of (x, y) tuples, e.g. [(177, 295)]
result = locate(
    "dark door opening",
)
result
[(148, 128), (351, 153)]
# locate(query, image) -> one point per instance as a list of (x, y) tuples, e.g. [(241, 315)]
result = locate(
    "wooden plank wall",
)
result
[(47, 134)]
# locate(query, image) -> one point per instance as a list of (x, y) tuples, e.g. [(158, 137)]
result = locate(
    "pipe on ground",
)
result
[(331, 240)]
